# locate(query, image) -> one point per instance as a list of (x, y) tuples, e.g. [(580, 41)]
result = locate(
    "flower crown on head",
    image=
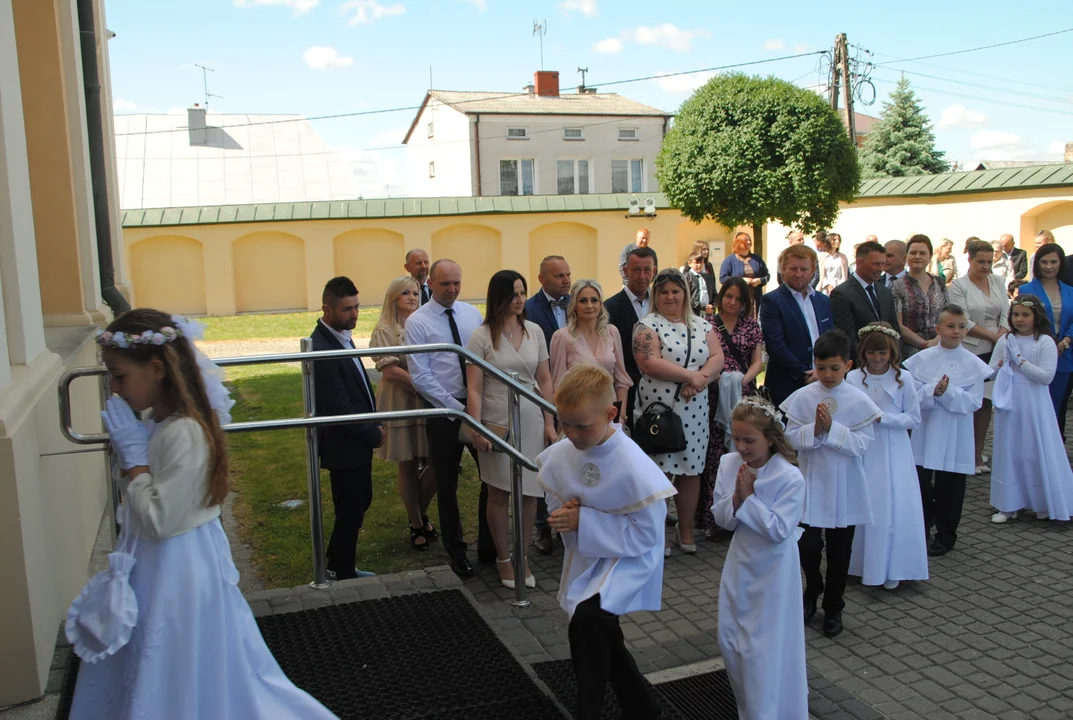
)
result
[(1024, 303), (889, 332), (761, 405), (123, 340)]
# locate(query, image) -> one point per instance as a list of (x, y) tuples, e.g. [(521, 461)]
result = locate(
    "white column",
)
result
[(18, 255), (5, 363)]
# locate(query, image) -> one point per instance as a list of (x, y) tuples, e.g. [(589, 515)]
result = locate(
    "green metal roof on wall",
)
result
[(1031, 177)]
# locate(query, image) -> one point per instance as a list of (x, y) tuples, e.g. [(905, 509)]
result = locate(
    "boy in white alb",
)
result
[(606, 500), (950, 380), (829, 423)]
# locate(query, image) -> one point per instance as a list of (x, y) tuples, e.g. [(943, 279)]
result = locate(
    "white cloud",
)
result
[(585, 7), (319, 57), (366, 12), (608, 46), (683, 84), (481, 5), (775, 44), (959, 116), (800, 47), (1057, 148), (119, 105), (996, 140), (665, 35), (300, 6), (376, 174), (387, 139)]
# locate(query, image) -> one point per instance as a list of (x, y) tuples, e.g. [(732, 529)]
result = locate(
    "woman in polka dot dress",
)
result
[(668, 357)]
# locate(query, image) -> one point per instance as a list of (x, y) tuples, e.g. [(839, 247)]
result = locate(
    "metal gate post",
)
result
[(316, 512), (514, 408), (110, 458)]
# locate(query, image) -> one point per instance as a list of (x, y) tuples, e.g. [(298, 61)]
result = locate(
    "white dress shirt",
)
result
[(438, 376), (804, 301), (558, 312), (345, 339), (640, 306)]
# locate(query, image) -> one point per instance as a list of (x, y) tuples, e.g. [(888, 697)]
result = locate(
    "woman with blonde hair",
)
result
[(943, 265), (744, 263), (405, 443), (589, 338)]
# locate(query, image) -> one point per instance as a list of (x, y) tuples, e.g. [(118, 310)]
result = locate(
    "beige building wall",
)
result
[(270, 266), (52, 496)]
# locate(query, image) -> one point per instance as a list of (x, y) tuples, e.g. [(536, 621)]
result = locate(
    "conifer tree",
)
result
[(901, 142)]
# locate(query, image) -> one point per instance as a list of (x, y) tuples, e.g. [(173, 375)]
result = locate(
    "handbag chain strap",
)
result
[(689, 354)]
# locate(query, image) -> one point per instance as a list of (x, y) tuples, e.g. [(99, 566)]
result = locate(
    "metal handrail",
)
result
[(516, 390)]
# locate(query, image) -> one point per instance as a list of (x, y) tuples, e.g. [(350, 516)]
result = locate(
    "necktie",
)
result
[(561, 303), (424, 294), (450, 313), (872, 298)]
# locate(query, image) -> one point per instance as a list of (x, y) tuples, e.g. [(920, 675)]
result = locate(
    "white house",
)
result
[(536, 142)]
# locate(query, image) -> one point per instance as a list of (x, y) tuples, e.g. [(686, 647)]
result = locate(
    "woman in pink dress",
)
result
[(589, 338)]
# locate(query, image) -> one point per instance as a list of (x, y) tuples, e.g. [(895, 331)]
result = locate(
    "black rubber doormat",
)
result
[(701, 697), (428, 656)]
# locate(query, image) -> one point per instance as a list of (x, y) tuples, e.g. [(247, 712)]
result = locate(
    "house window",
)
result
[(432, 169), (430, 129), (517, 133), (627, 133), (516, 177), (573, 177), (627, 175), (574, 133)]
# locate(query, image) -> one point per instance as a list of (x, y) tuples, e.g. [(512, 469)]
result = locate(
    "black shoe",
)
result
[(429, 529), (486, 557), (937, 548), (832, 624), (542, 541), (462, 567), (810, 607)]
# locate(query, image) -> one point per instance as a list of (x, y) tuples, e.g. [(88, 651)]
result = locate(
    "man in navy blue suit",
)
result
[(547, 308), (792, 316), (342, 387)]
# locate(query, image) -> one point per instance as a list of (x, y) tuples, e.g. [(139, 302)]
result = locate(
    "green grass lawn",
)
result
[(268, 468), (282, 325)]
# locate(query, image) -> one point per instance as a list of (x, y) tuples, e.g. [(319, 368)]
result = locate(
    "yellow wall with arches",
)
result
[(170, 270)]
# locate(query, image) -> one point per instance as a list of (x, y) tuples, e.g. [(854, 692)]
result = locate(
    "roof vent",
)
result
[(530, 88), (195, 122)]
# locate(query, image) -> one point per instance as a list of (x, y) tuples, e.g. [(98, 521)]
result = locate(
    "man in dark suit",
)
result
[(547, 307), (863, 299), (1018, 258), (796, 237), (417, 266), (701, 285), (342, 387), (793, 315), (628, 306)]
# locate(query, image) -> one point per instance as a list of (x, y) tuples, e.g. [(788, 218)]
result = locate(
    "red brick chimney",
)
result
[(547, 83)]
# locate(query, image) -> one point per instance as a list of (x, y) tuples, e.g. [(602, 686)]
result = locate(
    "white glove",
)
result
[(1014, 353), (128, 434)]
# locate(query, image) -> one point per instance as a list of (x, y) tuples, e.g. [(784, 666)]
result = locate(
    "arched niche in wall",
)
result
[(574, 241), (168, 273), (270, 272), (371, 258), (1056, 216), (477, 249)]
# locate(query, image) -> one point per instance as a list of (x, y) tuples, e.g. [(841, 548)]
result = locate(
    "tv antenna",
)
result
[(540, 29), (205, 82), (582, 70)]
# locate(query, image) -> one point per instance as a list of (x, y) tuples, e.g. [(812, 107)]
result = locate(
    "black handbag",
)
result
[(659, 430)]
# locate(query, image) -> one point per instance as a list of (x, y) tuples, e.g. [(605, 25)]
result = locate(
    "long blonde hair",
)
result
[(389, 313), (768, 426), (571, 310)]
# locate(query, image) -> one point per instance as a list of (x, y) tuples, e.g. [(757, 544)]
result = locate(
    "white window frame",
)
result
[(518, 169), (432, 169), (577, 175), (524, 136), (633, 129), (574, 139), (430, 130), (629, 175)]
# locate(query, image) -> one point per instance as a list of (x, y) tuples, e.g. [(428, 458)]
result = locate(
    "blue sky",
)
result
[(321, 57)]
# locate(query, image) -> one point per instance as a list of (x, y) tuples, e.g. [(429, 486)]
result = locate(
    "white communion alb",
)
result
[(196, 650), (894, 546), (836, 492), (944, 440), (617, 550), (1030, 469), (761, 636)]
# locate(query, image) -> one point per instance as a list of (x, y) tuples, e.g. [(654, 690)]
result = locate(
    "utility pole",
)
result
[(840, 84)]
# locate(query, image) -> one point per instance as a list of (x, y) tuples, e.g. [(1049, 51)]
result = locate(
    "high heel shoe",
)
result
[(428, 528), (508, 584), (415, 534), (688, 549)]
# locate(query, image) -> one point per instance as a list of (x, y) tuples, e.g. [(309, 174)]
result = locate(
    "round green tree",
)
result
[(745, 150)]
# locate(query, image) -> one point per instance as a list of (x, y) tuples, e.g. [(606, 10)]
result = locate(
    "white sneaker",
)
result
[(890, 584), (1001, 517)]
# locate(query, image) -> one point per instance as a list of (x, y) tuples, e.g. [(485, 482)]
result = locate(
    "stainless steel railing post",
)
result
[(519, 544), (110, 459), (316, 511)]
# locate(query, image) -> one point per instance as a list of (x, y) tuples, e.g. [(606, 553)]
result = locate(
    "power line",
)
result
[(981, 75), (982, 99), (408, 108), (1023, 93), (983, 47)]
